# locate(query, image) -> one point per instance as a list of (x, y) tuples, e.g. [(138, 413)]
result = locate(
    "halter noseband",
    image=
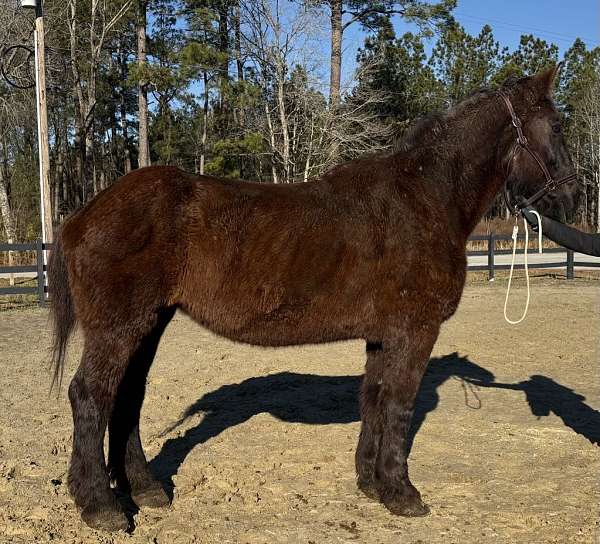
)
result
[(522, 143)]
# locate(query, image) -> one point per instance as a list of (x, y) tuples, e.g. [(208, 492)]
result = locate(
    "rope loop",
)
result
[(515, 235)]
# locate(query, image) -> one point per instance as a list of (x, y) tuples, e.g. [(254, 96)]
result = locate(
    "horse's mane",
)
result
[(419, 137), (431, 125), (425, 133)]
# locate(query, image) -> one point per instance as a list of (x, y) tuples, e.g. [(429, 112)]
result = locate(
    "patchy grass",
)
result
[(11, 302), (537, 277)]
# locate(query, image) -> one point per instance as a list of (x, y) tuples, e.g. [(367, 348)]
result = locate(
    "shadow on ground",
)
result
[(322, 400)]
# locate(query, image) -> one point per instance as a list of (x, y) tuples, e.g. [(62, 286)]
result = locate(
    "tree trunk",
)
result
[(307, 164), (336, 53), (204, 124), (8, 219), (125, 135), (240, 73), (222, 117), (61, 177), (144, 147), (238, 43), (597, 165), (80, 193), (223, 49), (597, 184), (272, 142), (123, 117), (90, 106), (284, 123), (79, 117)]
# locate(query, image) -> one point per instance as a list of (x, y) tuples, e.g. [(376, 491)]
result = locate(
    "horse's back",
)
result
[(129, 250), (309, 263)]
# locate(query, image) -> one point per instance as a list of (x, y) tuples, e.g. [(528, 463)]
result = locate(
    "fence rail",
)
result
[(39, 268), (569, 263)]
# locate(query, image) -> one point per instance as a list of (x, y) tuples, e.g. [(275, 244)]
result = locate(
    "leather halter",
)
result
[(523, 143)]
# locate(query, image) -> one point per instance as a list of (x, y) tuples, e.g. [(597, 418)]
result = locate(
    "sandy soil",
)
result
[(266, 452)]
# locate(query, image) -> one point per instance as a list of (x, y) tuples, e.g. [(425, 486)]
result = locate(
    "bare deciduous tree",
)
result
[(143, 142), (89, 30), (587, 144), (274, 40)]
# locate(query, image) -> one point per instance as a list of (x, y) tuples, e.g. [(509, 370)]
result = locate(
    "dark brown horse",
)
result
[(375, 249)]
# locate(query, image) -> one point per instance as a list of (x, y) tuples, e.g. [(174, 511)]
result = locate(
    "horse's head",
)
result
[(543, 142)]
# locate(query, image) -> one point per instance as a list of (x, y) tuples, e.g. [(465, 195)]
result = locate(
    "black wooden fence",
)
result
[(569, 263), (39, 268)]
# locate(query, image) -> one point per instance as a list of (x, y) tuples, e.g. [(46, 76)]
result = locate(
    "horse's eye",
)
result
[(557, 128)]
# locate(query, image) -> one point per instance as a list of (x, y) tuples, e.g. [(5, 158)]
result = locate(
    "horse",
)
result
[(374, 249)]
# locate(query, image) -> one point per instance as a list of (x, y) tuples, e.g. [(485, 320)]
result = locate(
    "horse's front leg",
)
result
[(405, 358)]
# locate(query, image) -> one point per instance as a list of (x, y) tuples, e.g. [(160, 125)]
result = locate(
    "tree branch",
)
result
[(370, 11)]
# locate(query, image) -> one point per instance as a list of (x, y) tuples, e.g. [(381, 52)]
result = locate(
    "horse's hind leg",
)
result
[(92, 392), (371, 423), (405, 360), (126, 460)]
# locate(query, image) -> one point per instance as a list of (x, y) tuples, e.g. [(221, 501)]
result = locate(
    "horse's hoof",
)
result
[(151, 497), (369, 489), (109, 519), (408, 509), (407, 503)]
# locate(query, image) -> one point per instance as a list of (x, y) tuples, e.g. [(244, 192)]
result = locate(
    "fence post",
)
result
[(39, 249), (491, 245), (570, 267)]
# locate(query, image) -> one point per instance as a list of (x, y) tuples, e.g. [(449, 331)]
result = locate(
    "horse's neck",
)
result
[(479, 174)]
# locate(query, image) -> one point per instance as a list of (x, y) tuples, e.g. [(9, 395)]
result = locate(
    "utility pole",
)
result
[(42, 115), (42, 120)]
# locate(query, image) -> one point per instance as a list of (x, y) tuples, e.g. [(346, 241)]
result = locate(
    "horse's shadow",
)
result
[(322, 400)]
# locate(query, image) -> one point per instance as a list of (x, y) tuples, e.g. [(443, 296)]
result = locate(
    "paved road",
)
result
[(21, 275), (534, 258)]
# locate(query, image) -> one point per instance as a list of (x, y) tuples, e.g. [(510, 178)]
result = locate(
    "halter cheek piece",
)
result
[(522, 143)]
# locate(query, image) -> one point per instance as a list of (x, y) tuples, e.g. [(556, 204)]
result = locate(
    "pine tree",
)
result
[(464, 63), (531, 57)]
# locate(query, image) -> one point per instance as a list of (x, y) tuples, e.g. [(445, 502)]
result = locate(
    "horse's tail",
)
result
[(62, 311)]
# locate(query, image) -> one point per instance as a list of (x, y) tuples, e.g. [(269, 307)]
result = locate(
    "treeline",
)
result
[(244, 89)]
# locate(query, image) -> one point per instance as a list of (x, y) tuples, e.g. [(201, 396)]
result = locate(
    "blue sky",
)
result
[(556, 21)]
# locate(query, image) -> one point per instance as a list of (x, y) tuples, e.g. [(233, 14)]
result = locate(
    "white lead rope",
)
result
[(512, 264)]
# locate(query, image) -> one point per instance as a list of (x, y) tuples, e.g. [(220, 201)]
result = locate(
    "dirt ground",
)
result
[(266, 452)]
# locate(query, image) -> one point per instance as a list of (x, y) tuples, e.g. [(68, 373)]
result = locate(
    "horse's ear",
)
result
[(511, 81), (544, 81)]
